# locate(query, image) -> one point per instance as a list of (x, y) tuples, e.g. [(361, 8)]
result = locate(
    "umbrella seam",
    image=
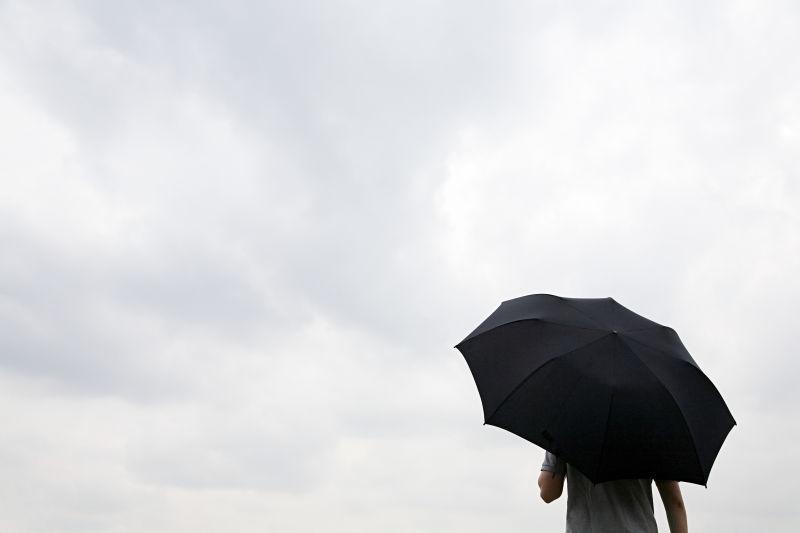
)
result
[(669, 392), (605, 435), (645, 329), (532, 372), (691, 365), (524, 320), (692, 362), (563, 300), (608, 417), (576, 386)]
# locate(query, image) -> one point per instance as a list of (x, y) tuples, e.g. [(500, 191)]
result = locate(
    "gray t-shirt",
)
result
[(623, 506)]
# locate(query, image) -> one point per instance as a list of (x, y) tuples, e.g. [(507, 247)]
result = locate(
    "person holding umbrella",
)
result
[(614, 398), (615, 506)]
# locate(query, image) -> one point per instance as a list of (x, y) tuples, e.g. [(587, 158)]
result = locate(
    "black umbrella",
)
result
[(612, 393)]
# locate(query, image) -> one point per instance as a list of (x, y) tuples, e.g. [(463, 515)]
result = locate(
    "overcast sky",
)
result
[(239, 240)]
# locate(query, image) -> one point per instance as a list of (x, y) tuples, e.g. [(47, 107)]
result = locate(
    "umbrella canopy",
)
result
[(612, 393)]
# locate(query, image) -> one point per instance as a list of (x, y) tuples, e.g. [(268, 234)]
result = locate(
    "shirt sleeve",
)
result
[(554, 464)]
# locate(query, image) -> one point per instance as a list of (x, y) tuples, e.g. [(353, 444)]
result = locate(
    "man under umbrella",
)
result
[(624, 505), (614, 398)]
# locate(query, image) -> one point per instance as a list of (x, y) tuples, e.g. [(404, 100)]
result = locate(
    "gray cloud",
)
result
[(240, 242)]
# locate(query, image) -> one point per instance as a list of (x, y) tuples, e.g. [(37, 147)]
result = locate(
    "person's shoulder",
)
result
[(552, 463)]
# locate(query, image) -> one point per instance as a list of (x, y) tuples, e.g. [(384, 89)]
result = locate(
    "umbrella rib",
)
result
[(532, 372), (644, 329), (685, 362), (563, 324), (608, 415), (564, 301), (605, 435), (575, 387), (664, 352), (524, 320), (669, 392)]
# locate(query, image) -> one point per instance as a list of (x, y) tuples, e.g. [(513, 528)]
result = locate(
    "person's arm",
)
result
[(551, 485), (551, 478), (673, 505)]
